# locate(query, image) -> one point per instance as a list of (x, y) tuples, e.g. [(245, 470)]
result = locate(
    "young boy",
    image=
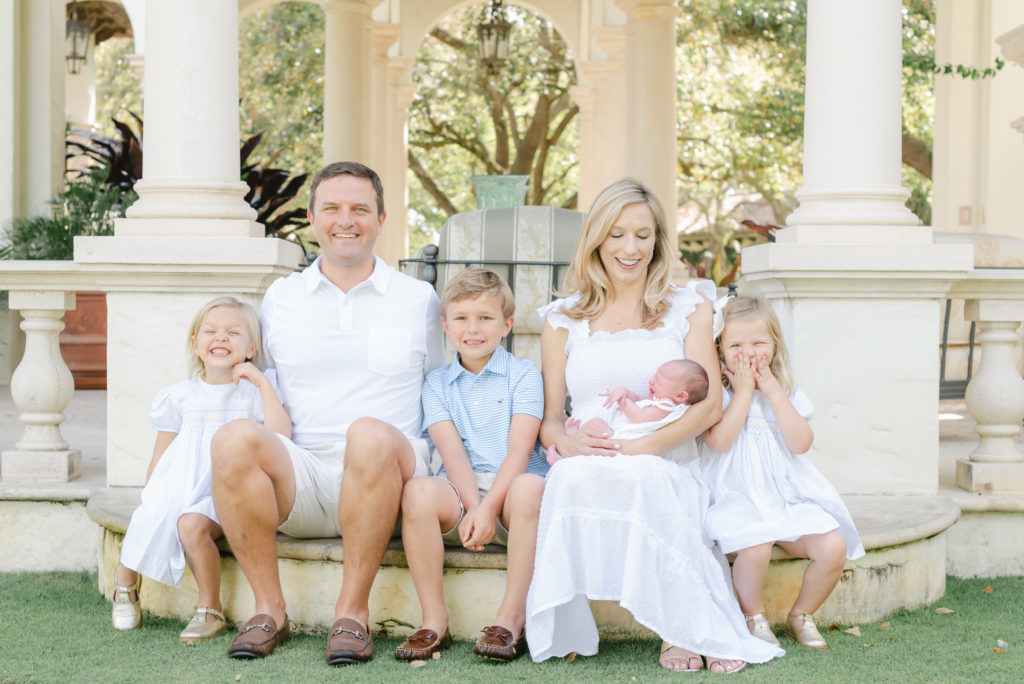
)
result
[(483, 413)]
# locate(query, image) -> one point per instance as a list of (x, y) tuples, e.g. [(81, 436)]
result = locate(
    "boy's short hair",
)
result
[(472, 283)]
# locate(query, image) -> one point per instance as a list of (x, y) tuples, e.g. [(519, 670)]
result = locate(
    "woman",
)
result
[(630, 528)]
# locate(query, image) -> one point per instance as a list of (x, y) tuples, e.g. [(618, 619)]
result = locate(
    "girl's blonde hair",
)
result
[(737, 308), (252, 320), (586, 274)]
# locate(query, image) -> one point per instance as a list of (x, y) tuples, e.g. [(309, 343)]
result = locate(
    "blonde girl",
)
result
[(176, 519), (764, 491)]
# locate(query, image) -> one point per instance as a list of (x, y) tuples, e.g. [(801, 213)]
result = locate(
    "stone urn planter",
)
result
[(83, 343)]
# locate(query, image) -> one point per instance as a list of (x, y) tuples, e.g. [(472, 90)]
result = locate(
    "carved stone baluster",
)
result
[(995, 399), (41, 387)]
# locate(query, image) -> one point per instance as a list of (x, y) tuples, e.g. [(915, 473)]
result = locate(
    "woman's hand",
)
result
[(592, 441)]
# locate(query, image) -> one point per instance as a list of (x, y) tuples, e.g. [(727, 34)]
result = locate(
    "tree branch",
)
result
[(430, 186)]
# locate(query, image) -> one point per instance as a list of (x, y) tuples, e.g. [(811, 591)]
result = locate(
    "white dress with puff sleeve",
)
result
[(181, 481), (630, 528)]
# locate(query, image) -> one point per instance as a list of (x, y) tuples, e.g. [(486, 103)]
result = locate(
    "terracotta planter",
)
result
[(83, 342)]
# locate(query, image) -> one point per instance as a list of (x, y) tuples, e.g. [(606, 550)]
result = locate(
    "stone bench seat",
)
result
[(905, 537)]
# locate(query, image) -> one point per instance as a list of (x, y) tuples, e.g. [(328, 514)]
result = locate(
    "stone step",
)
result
[(905, 566)]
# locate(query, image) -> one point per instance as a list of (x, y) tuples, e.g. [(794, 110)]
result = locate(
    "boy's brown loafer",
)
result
[(348, 643), (423, 644), (259, 637), (497, 643)]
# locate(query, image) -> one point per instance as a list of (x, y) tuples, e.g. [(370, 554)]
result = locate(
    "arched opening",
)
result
[(463, 120)]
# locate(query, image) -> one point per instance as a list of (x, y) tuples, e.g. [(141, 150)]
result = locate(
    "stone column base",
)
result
[(989, 478), (41, 466)]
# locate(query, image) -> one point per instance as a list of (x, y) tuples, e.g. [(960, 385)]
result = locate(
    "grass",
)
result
[(55, 627)]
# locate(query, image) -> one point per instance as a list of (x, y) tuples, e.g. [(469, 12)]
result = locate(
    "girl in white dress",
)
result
[(176, 519), (629, 528), (763, 489)]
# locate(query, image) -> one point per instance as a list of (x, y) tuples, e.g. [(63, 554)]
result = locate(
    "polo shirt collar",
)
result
[(312, 277), (498, 365)]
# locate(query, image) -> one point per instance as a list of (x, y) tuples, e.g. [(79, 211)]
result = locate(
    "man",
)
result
[(351, 340)]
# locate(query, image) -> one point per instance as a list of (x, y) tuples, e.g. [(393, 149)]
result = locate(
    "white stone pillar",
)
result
[(41, 387), (31, 106), (651, 124), (852, 125), (856, 284), (347, 64), (190, 165), (191, 236), (386, 135)]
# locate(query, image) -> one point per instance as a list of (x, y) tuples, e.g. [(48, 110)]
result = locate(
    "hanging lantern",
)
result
[(494, 31), (77, 39)]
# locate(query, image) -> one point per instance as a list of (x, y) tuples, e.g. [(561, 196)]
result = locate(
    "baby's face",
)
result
[(665, 386)]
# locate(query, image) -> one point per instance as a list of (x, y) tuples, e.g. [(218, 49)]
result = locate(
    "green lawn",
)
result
[(55, 627)]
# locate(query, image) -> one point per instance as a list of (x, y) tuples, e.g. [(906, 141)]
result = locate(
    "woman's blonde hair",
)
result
[(252, 320), (744, 308), (586, 274)]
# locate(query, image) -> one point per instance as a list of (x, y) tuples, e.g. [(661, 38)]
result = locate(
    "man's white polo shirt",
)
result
[(343, 356)]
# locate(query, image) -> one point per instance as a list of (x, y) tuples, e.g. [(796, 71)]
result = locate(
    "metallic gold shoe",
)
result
[(807, 633), (126, 613), (199, 628), (760, 628)]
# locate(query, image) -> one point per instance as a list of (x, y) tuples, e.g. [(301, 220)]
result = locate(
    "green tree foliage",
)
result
[(465, 121)]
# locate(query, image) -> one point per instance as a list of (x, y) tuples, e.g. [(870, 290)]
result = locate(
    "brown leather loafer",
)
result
[(348, 643), (497, 643), (259, 637), (423, 644)]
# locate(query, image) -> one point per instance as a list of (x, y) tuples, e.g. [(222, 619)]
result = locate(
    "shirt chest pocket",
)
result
[(390, 350)]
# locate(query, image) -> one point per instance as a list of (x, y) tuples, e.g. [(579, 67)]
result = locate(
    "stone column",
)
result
[(347, 65), (190, 166), (856, 284), (191, 236), (41, 388), (651, 122), (852, 131)]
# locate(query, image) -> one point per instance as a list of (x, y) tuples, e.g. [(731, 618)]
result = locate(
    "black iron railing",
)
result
[(954, 389)]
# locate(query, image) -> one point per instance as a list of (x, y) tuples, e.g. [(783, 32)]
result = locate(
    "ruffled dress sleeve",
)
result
[(684, 303), (554, 314), (802, 403), (166, 411)]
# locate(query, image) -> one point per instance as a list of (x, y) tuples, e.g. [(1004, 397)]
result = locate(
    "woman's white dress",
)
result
[(181, 482), (630, 528), (762, 492)]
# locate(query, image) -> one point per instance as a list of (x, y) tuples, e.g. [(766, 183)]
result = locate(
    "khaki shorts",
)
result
[(484, 482), (318, 472)]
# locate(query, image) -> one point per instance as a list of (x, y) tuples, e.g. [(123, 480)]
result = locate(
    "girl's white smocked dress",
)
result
[(181, 483), (761, 492)]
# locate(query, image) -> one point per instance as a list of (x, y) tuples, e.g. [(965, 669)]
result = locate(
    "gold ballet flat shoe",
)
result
[(199, 628), (807, 633), (760, 628), (126, 613)]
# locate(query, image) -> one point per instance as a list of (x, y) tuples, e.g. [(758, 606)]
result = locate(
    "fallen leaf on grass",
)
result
[(418, 663), (436, 655), (1000, 643), (998, 650), (572, 656), (987, 590), (884, 625), (944, 611), (833, 627), (867, 645), (238, 677), (892, 639), (855, 631)]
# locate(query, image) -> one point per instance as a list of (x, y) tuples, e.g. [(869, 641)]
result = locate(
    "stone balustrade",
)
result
[(41, 385), (994, 299)]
